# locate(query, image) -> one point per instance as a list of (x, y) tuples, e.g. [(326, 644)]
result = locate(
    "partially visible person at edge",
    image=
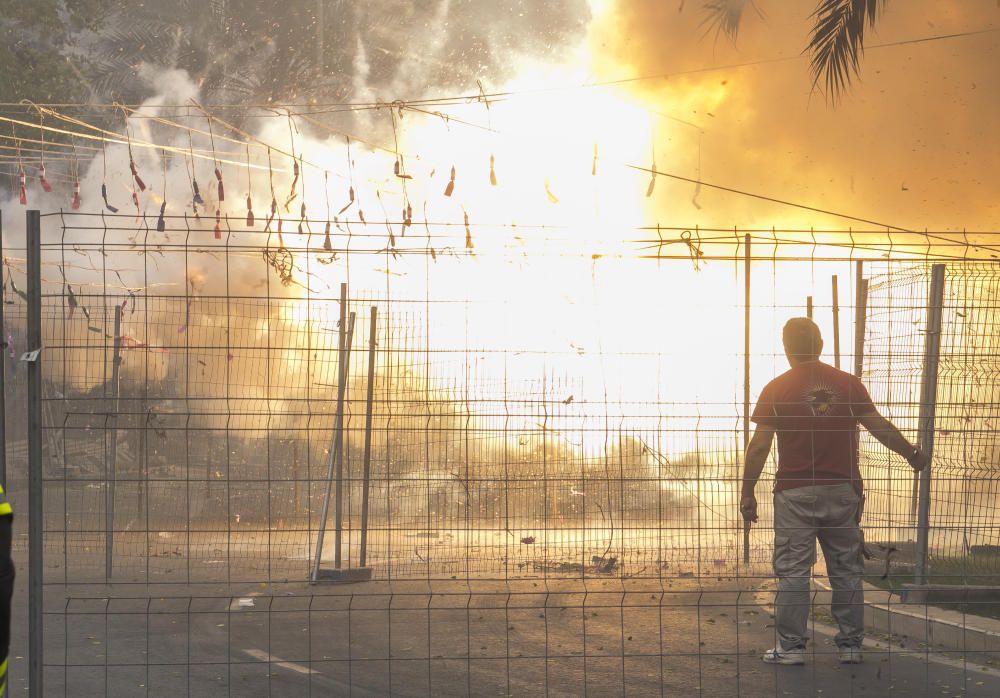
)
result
[(815, 410), (6, 585)]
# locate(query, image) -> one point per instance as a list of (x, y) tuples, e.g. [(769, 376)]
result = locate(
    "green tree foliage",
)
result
[(37, 57), (246, 51)]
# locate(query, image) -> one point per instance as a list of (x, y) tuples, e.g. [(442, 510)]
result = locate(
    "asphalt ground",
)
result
[(521, 637)]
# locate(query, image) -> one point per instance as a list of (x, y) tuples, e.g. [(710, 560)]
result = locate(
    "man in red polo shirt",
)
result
[(815, 411)]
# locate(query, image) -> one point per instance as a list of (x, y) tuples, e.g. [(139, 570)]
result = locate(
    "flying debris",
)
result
[(468, 232), (548, 192), (450, 189), (397, 169), (350, 200)]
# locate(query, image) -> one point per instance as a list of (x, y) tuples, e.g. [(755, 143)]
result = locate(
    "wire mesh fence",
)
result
[(963, 517), (553, 447)]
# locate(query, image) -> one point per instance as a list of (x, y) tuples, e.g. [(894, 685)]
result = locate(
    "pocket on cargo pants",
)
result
[(794, 556)]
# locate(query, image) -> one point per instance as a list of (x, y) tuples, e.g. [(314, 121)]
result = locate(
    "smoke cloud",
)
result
[(911, 144)]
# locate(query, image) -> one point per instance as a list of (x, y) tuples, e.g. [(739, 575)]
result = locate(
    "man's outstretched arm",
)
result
[(888, 435), (756, 456)]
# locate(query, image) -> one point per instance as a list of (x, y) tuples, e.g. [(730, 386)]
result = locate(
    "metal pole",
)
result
[(836, 324), (33, 250), (925, 422), (746, 376), (368, 437), (860, 320), (338, 513), (334, 457), (112, 463), (809, 307), (3, 377), (341, 335)]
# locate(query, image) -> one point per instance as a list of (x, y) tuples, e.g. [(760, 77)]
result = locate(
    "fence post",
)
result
[(112, 464), (836, 323), (341, 336), (746, 376), (368, 438), (33, 251), (338, 531), (925, 422), (860, 319), (335, 458)]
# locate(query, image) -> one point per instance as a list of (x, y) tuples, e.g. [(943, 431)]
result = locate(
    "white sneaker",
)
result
[(850, 655), (780, 656)]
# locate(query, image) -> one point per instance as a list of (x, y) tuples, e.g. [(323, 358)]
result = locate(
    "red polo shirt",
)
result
[(814, 408)]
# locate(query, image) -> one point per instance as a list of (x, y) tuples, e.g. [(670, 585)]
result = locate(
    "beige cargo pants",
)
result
[(830, 513)]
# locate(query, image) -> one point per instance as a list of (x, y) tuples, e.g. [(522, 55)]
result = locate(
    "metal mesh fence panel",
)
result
[(553, 472), (963, 540)]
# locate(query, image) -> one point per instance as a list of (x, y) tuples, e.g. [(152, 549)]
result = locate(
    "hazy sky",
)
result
[(914, 143)]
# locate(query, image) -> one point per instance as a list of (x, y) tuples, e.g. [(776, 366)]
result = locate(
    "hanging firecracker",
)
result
[(46, 187), (135, 173)]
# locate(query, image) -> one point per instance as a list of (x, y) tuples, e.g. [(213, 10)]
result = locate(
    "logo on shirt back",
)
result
[(820, 401)]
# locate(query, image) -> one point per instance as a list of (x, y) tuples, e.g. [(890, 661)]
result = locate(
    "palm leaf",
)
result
[(724, 16), (837, 43)]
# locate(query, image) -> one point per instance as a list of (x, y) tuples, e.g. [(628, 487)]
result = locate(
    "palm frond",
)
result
[(724, 17), (837, 43)]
